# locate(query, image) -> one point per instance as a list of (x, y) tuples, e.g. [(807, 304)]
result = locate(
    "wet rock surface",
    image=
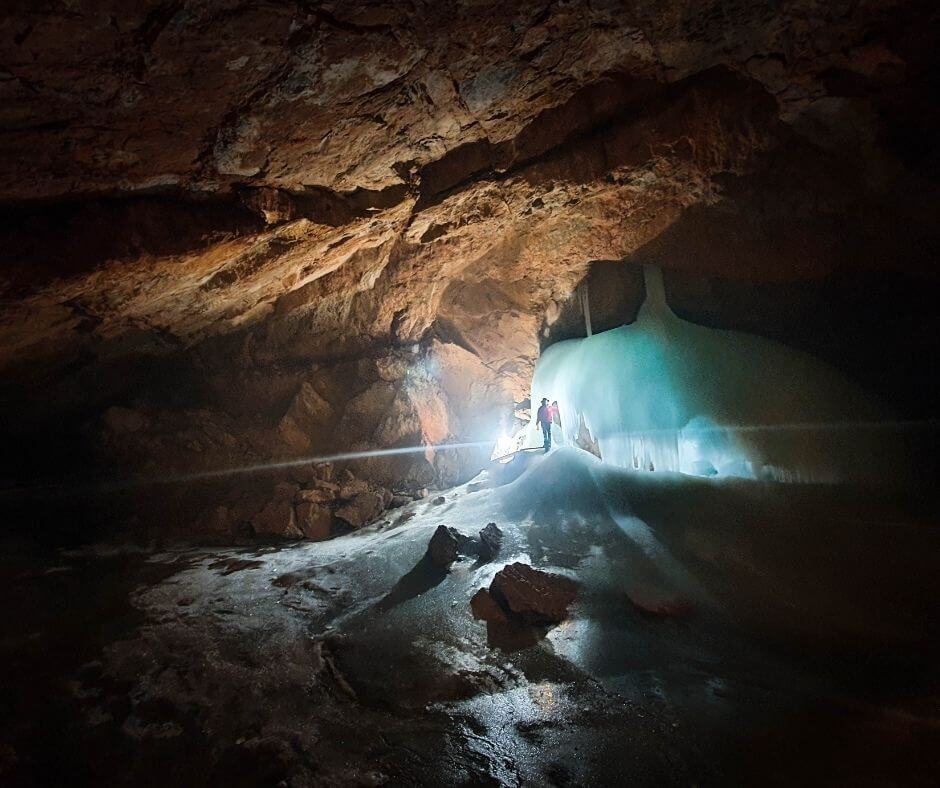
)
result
[(448, 544), (486, 608), (344, 662)]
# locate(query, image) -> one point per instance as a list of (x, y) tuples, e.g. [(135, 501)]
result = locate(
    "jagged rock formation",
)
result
[(236, 232)]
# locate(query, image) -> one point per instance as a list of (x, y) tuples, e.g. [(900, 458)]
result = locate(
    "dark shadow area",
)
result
[(423, 577), (879, 329), (615, 291), (753, 668), (63, 238), (510, 637), (58, 615)]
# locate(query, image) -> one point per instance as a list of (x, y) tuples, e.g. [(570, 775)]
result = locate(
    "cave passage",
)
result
[(282, 288)]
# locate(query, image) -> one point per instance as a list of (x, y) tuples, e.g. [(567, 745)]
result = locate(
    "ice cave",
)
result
[(469, 393), (666, 394)]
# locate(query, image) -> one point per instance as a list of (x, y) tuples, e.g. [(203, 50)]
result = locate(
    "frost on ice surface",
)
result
[(668, 395)]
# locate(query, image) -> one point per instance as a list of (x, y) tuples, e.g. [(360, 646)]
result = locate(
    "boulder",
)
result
[(491, 539), (329, 487), (277, 519), (363, 508), (314, 520), (306, 415), (443, 547), (286, 491), (353, 486), (531, 596)]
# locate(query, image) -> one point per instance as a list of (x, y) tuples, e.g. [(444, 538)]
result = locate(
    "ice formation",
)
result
[(666, 394)]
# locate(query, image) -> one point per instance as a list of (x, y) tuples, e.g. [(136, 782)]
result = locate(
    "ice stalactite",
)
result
[(668, 395)]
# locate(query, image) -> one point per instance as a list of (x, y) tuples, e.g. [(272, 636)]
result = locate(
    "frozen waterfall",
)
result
[(666, 394)]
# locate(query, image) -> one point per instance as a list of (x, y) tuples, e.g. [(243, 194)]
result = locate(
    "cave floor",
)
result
[(336, 664)]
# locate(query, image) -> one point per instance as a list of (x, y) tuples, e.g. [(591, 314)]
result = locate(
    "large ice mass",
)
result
[(666, 394)]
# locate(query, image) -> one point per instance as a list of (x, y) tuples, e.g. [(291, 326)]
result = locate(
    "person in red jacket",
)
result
[(544, 417)]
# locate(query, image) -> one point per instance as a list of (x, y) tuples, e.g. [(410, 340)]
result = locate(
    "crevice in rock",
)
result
[(51, 240), (541, 145)]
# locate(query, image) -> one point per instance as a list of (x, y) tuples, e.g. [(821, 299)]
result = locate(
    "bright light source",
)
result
[(507, 445)]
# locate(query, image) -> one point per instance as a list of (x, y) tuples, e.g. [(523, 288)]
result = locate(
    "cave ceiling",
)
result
[(278, 183)]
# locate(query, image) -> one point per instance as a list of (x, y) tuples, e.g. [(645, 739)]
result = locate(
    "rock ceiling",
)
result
[(240, 185)]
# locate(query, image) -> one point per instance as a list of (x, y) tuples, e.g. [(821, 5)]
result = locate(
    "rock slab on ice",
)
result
[(525, 595)]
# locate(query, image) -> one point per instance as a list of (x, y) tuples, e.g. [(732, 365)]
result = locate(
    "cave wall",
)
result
[(236, 233)]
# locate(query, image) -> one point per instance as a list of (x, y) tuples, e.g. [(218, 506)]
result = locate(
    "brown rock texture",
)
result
[(485, 608), (277, 519), (525, 595), (238, 233), (314, 520), (361, 509)]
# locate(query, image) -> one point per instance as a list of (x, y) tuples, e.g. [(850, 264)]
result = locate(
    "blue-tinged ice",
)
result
[(668, 395)]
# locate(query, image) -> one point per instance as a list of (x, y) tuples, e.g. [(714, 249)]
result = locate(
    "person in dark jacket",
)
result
[(544, 418)]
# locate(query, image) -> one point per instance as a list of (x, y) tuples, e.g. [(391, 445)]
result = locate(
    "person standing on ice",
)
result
[(544, 419)]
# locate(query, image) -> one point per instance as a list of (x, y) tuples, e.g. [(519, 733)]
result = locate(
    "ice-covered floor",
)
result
[(808, 656)]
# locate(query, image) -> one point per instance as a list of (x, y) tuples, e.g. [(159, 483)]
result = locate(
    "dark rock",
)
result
[(486, 608), (658, 602), (399, 500), (531, 596), (442, 549), (491, 539), (438, 501), (285, 491), (352, 487), (466, 545)]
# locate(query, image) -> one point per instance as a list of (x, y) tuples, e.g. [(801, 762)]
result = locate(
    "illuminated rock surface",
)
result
[(278, 230)]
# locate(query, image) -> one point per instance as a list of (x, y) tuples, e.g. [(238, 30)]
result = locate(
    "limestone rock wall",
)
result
[(236, 232)]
